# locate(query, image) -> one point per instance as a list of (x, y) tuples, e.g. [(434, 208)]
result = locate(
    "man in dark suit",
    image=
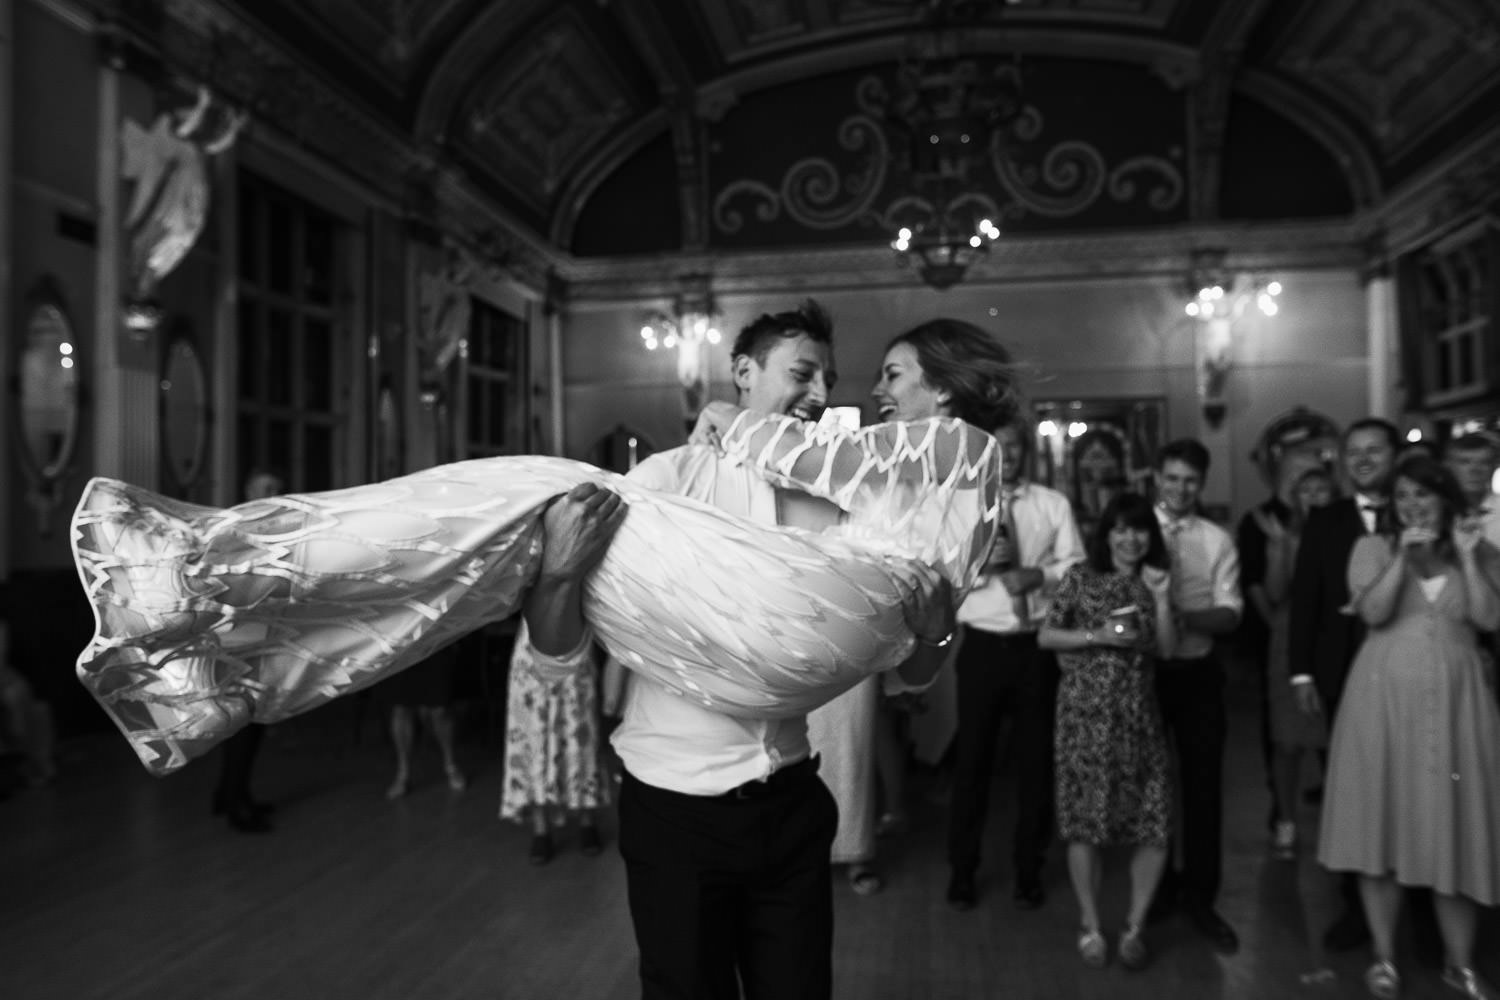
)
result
[(1323, 636)]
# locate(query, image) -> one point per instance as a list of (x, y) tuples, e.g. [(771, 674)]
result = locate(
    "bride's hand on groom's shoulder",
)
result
[(713, 421)]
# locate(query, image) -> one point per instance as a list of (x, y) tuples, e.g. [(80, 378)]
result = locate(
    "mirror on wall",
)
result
[(48, 384), (1091, 450), (184, 409)]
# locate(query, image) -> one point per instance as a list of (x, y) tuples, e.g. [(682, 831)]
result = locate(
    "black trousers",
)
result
[(999, 676), (235, 764), (1191, 696), (726, 885)]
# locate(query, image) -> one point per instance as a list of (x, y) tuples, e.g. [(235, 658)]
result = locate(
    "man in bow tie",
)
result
[(1323, 634)]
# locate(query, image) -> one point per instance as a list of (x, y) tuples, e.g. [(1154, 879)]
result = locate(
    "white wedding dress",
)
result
[(207, 619)]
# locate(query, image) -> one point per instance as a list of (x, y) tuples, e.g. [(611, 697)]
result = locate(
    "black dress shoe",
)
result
[(962, 895), (1029, 895), (245, 818), (1348, 932), (1213, 927)]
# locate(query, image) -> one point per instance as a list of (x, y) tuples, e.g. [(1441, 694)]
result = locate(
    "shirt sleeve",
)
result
[(1226, 577), (551, 669), (1067, 549)]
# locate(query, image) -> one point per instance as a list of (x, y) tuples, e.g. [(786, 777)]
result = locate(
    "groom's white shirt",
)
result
[(664, 739)]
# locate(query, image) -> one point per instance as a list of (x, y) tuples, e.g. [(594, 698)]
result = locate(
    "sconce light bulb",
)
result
[(713, 335), (65, 348), (647, 333), (1274, 288), (904, 234), (670, 340), (1216, 292), (1269, 307), (974, 241), (1192, 308), (1046, 428), (986, 225), (1414, 435), (66, 362), (1077, 429)]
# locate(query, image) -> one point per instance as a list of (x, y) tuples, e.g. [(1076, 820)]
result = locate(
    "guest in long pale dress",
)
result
[(1110, 618), (842, 733), (1413, 786)]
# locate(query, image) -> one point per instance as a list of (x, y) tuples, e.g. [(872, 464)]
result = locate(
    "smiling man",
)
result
[(725, 826), (1190, 686)]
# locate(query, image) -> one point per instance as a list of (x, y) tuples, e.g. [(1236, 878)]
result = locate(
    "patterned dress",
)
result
[(1111, 757), (552, 739), (208, 619)]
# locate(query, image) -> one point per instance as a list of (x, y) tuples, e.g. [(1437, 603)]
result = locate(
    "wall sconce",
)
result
[(691, 330), (1219, 301)]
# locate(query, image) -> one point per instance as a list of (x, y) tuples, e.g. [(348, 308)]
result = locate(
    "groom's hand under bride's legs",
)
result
[(577, 529)]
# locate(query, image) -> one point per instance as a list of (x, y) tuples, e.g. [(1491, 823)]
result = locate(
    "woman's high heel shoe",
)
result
[(1383, 981), (1467, 982)]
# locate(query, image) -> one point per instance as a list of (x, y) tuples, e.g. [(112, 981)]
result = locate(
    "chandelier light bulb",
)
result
[(974, 241), (1274, 288), (651, 344), (670, 340), (1077, 429), (1192, 309), (647, 333), (712, 335), (904, 234), (1046, 428)]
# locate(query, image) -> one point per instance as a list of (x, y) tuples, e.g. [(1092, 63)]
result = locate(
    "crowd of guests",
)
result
[(1375, 612)]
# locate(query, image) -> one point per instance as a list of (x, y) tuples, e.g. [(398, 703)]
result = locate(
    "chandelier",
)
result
[(690, 330), (1221, 300), (945, 120)]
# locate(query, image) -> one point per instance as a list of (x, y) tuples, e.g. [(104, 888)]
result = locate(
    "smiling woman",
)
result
[(946, 368)]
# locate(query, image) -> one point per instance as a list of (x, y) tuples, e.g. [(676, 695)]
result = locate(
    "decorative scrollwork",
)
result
[(1074, 169), (813, 191), (1165, 194)]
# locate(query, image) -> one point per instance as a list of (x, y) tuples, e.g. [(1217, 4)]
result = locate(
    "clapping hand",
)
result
[(1270, 526), (1418, 535), (1156, 579), (1467, 534)]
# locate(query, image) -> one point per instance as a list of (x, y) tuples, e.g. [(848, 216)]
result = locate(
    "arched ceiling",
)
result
[(642, 126)]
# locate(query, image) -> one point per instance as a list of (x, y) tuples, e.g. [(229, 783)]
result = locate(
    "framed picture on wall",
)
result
[(1091, 450)]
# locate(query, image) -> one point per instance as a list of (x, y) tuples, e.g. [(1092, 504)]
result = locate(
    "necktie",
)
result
[(1019, 603)]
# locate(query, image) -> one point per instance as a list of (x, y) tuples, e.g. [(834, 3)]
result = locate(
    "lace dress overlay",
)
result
[(207, 619)]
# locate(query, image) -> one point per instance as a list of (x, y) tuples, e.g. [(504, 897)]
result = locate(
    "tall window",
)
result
[(495, 403), (291, 387), (1456, 293)]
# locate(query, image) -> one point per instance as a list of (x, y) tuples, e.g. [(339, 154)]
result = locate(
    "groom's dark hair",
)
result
[(762, 333)]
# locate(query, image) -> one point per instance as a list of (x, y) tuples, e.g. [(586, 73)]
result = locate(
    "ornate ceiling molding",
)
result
[(1349, 150), (596, 283), (1448, 193)]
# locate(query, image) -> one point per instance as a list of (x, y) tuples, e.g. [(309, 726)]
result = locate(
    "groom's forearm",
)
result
[(553, 610)]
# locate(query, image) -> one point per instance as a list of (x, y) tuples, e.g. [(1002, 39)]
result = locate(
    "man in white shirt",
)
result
[(725, 827), (1000, 672), (1190, 686)]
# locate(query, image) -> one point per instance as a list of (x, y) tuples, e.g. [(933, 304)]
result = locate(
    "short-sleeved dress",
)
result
[(1413, 785), (1111, 756)]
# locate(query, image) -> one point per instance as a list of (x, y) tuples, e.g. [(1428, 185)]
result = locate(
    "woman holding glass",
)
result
[(1110, 618)]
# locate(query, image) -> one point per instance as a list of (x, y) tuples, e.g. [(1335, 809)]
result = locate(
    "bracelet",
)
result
[(940, 643)]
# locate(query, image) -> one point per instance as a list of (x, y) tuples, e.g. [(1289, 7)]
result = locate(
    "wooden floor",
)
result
[(117, 885)]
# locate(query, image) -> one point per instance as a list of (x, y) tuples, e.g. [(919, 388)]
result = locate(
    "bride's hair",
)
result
[(763, 332), (974, 368)]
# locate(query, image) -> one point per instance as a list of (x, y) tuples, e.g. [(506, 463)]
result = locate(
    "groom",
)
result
[(725, 827)]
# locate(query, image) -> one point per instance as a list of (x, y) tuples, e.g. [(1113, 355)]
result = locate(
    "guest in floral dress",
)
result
[(1110, 617), (552, 752)]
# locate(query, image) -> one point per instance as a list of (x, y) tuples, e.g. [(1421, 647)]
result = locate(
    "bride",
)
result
[(207, 619)]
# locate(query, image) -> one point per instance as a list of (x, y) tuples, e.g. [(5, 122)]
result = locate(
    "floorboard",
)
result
[(117, 885)]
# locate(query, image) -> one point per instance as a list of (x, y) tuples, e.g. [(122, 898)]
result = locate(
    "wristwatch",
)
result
[(939, 644)]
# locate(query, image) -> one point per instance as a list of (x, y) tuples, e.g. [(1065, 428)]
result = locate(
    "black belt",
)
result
[(778, 780)]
